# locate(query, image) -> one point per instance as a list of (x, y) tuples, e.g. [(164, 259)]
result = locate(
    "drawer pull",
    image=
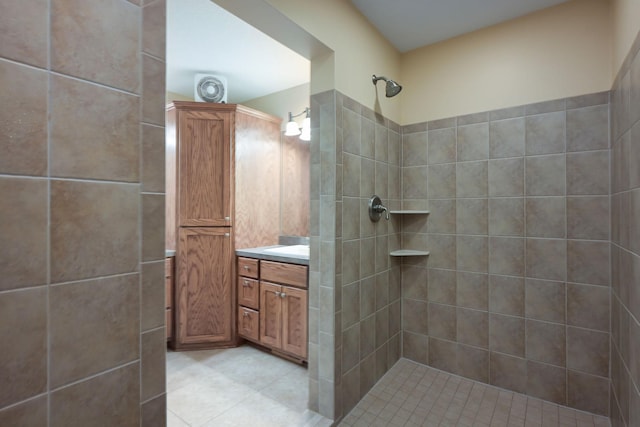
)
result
[(246, 284), (245, 314), (246, 267)]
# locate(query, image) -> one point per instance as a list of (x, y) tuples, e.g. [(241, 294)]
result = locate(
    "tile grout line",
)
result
[(48, 255), (140, 218)]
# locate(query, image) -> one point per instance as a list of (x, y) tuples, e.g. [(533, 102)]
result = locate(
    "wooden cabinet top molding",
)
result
[(190, 105)]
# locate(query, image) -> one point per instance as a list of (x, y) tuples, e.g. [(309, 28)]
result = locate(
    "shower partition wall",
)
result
[(625, 242)]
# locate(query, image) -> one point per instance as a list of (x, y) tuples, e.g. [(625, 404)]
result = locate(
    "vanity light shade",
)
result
[(292, 128), (306, 130)]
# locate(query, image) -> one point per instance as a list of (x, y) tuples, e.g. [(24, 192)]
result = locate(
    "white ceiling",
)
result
[(409, 24), (203, 37)]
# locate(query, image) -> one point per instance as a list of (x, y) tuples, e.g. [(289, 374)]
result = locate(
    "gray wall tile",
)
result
[(507, 138)]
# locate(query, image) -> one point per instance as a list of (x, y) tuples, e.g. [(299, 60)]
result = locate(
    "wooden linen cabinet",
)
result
[(203, 227)]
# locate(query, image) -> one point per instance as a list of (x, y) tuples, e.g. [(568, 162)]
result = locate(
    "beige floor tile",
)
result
[(199, 402), (289, 389), (264, 412), (241, 386), (174, 421), (187, 375)]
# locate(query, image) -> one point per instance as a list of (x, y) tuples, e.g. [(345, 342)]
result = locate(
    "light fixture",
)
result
[(293, 129), (306, 129)]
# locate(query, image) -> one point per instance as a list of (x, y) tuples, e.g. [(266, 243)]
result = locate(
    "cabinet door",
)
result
[(168, 281), (204, 168), (270, 315), (294, 321), (168, 285), (169, 322), (205, 299)]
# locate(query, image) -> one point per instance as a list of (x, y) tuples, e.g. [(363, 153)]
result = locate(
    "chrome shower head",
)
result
[(392, 88)]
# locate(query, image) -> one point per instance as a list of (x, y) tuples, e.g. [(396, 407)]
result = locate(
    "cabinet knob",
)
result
[(282, 295), (277, 293), (245, 314), (246, 284), (246, 267)]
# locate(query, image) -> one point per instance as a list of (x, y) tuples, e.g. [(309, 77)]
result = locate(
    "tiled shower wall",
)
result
[(368, 306), (516, 290), (625, 243), (82, 203), (322, 220), (355, 153)]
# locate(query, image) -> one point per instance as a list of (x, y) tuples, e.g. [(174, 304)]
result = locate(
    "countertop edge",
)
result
[(261, 254)]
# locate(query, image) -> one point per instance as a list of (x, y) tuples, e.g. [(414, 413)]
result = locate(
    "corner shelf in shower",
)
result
[(408, 252)]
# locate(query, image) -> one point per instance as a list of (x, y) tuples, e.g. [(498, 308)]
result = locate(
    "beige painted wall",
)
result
[(172, 96), (360, 50), (625, 16), (279, 104), (554, 53), (571, 49)]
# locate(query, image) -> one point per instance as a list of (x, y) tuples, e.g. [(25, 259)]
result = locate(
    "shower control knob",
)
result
[(376, 208)]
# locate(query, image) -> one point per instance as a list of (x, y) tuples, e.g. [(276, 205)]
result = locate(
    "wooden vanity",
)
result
[(273, 305)]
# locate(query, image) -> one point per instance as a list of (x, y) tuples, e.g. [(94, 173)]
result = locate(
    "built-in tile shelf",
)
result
[(408, 252), (409, 212)]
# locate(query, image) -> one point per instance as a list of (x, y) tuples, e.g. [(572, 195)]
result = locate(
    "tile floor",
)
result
[(411, 394), (240, 386)]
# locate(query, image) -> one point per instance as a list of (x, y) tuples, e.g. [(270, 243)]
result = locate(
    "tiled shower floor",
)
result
[(411, 394), (237, 387)]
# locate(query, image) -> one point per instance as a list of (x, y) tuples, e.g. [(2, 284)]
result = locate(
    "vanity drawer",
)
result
[(248, 323), (288, 274), (248, 267), (248, 292)]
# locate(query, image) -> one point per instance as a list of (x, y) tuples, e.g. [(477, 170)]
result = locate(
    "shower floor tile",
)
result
[(411, 394), (236, 387)]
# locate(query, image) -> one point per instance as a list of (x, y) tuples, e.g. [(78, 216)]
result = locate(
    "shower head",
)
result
[(392, 88)]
